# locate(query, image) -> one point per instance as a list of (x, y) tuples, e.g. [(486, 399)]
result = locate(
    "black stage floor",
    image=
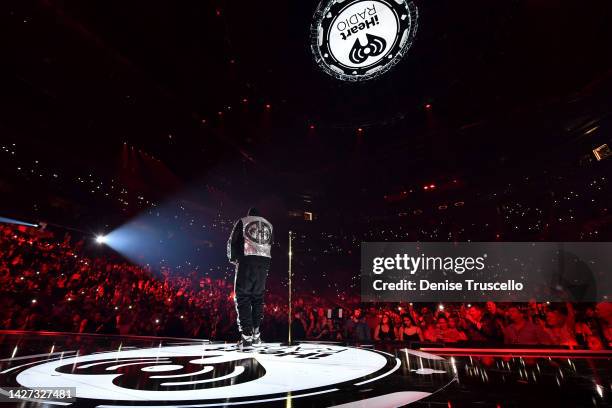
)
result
[(114, 371)]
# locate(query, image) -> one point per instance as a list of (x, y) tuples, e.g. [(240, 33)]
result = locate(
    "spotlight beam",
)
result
[(16, 222)]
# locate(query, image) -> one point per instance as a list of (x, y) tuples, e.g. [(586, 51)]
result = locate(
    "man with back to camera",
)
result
[(249, 248)]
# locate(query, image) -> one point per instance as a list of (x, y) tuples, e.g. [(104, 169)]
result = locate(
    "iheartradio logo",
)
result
[(361, 39)]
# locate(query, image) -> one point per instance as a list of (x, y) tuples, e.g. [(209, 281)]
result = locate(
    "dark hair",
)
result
[(408, 316), (558, 307), (390, 324), (253, 212)]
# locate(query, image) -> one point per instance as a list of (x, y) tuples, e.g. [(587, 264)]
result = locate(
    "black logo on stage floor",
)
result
[(218, 375), (172, 373), (375, 46)]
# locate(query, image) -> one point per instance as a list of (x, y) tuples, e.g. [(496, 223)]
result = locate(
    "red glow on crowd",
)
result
[(50, 284)]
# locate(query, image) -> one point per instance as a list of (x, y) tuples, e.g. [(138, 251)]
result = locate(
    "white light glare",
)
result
[(101, 239)]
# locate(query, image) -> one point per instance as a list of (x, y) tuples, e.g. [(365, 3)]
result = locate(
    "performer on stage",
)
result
[(249, 248)]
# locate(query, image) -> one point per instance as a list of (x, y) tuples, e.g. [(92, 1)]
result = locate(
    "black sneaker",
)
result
[(256, 338), (245, 342)]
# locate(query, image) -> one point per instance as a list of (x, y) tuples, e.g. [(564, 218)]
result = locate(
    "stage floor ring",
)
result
[(115, 371)]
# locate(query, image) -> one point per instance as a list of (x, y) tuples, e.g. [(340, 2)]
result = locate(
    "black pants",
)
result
[(249, 287)]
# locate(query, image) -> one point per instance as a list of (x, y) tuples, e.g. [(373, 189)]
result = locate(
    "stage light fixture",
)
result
[(602, 152), (101, 239)]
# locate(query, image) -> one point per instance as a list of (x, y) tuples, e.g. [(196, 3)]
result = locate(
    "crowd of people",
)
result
[(575, 326), (50, 284)]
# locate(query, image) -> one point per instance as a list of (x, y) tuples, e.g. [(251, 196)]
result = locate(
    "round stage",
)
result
[(116, 371)]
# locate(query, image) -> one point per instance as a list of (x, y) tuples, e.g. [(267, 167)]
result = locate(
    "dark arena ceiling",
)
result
[(225, 94)]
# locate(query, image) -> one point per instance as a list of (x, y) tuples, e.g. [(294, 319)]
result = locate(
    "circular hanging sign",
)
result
[(361, 39)]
